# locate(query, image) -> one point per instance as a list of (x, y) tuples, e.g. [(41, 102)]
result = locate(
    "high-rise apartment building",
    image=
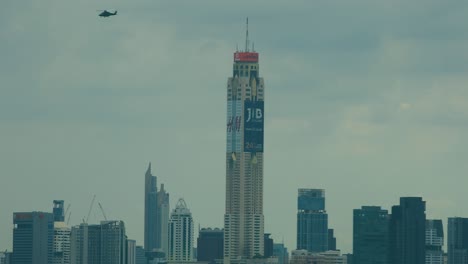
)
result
[(243, 219), (33, 235), (434, 242), (210, 244), (371, 235), (61, 245), (312, 220), (408, 231), (131, 251), (181, 234), (281, 253), (105, 243), (457, 240), (140, 257)]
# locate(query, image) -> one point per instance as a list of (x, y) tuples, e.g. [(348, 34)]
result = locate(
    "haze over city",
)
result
[(365, 99)]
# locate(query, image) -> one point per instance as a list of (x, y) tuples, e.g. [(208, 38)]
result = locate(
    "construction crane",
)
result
[(102, 210), (66, 211), (90, 208), (68, 219)]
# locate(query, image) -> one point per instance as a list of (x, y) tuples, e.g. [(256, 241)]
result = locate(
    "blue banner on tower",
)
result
[(253, 126)]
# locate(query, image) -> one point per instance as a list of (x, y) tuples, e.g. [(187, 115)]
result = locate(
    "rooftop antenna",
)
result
[(247, 36)]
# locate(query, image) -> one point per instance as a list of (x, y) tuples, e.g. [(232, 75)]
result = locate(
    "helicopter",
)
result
[(106, 13)]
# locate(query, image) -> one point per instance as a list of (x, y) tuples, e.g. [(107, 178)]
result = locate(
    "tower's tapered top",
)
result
[(247, 55), (148, 171)]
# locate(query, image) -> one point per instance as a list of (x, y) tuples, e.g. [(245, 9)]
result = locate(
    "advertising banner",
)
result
[(253, 126), (246, 57)]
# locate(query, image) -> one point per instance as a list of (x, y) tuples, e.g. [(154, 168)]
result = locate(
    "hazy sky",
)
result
[(366, 99)]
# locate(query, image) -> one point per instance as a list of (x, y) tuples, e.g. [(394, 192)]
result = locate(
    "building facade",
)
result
[(371, 235), (312, 221), (180, 234), (210, 245), (243, 218), (434, 242), (59, 213), (61, 246), (163, 219), (328, 257), (140, 257), (152, 237), (457, 240), (408, 231), (105, 243), (281, 253), (33, 235), (131, 251)]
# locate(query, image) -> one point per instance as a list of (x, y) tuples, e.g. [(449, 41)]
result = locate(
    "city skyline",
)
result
[(363, 99)]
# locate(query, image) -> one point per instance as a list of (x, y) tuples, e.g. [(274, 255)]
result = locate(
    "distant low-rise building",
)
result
[(327, 257)]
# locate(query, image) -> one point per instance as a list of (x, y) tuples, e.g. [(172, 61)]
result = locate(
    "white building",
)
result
[(61, 246), (180, 234), (434, 242), (327, 257), (131, 251)]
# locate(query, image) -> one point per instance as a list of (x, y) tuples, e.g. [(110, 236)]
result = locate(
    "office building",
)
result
[(180, 234), (312, 220), (281, 253), (371, 235), (163, 219), (61, 245), (105, 243), (6, 257), (408, 231), (59, 213), (457, 240), (33, 235), (268, 246), (331, 239), (140, 257), (131, 251), (210, 245), (243, 219), (152, 225), (434, 242)]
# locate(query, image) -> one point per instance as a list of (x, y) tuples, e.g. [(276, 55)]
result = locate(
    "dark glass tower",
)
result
[(407, 231), (312, 220), (457, 245), (210, 244), (151, 212), (371, 235), (59, 214), (33, 235), (434, 241)]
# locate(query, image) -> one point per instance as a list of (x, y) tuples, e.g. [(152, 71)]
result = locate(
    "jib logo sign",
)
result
[(253, 126)]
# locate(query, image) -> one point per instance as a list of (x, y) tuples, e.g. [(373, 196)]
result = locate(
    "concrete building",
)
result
[(457, 240), (61, 245), (131, 251), (281, 253), (408, 231), (180, 234), (371, 235), (243, 218), (328, 257), (33, 235), (105, 243), (210, 245), (434, 242), (312, 220)]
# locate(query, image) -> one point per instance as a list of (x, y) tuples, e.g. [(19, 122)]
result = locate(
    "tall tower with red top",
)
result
[(243, 219)]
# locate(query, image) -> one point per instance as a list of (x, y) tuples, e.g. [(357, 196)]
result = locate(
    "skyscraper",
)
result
[(434, 242), (408, 231), (152, 226), (180, 234), (371, 235), (331, 239), (163, 218), (457, 245), (33, 235), (243, 219), (312, 220)]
